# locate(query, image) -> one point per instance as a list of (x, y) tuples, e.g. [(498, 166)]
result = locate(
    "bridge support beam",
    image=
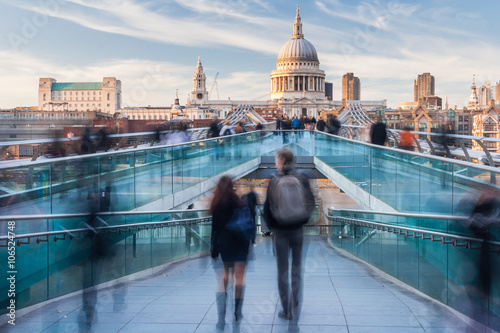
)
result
[(181, 199), (361, 197)]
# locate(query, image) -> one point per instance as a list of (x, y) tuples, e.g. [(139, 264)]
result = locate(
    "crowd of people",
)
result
[(295, 123), (375, 133)]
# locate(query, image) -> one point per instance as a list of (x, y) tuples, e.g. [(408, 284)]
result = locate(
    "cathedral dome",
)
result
[(298, 49), (297, 73)]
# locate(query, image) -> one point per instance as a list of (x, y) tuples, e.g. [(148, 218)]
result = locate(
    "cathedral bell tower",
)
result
[(199, 95)]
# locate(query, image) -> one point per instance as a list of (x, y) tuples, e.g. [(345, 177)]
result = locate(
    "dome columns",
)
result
[(298, 83)]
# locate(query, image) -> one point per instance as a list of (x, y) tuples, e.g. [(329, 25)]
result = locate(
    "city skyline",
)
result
[(153, 47)]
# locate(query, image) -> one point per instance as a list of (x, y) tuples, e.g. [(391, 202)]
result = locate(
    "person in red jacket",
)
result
[(406, 139)]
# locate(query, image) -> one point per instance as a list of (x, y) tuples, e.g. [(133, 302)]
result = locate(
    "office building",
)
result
[(424, 86), (351, 87)]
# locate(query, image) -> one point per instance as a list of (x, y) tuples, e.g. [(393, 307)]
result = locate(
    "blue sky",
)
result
[(153, 46)]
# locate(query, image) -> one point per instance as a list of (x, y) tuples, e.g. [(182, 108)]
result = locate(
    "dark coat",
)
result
[(378, 134), (334, 126), (321, 125), (251, 202), (225, 243), (213, 130), (286, 124), (272, 223), (278, 124)]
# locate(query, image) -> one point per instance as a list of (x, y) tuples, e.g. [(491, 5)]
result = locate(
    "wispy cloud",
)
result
[(238, 9), (440, 14), (135, 19), (370, 13), (245, 85)]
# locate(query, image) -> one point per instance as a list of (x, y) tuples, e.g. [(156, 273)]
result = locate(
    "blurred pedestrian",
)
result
[(286, 125), (378, 133), (406, 139), (485, 216), (87, 145), (214, 129), (333, 125), (192, 229), (313, 122), (101, 254), (57, 147), (227, 129), (321, 125), (239, 128), (364, 132), (259, 127), (106, 197), (250, 200), (179, 135), (102, 140), (233, 250), (287, 208), (303, 123)]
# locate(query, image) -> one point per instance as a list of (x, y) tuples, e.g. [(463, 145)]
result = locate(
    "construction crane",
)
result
[(266, 95), (216, 87)]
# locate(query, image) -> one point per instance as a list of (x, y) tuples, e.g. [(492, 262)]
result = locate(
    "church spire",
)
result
[(473, 100), (297, 27), (198, 66), (176, 102), (199, 93), (199, 77)]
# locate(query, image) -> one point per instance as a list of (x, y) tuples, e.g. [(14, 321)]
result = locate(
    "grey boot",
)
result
[(221, 310), (238, 303)]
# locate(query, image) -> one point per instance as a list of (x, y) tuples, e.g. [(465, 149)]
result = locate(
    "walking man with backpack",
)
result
[(288, 206)]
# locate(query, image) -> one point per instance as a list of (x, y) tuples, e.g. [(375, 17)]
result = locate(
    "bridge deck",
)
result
[(340, 295)]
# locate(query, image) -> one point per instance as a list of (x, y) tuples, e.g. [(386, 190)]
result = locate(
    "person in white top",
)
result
[(227, 129)]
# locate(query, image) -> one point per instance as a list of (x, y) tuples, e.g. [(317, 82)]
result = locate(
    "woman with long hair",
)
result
[(233, 250)]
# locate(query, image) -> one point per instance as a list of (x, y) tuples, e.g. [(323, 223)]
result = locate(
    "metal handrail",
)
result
[(435, 157), (139, 135), (61, 234), (77, 233), (28, 162), (414, 215), (434, 236), (459, 136), (59, 216), (109, 136)]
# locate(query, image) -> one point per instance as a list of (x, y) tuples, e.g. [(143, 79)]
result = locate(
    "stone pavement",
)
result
[(340, 295)]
